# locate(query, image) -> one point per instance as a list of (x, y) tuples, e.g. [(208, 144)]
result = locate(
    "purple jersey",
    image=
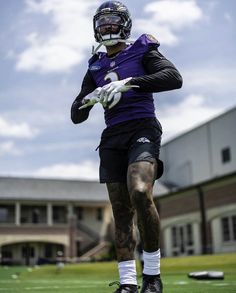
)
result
[(128, 63)]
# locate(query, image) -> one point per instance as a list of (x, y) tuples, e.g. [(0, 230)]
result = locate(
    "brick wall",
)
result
[(178, 204)]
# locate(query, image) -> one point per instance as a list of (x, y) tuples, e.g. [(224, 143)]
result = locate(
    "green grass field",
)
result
[(95, 277)]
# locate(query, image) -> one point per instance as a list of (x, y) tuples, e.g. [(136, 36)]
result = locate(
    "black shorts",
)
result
[(126, 143)]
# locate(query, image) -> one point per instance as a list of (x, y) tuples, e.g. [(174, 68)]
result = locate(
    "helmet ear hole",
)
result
[(114, 10)]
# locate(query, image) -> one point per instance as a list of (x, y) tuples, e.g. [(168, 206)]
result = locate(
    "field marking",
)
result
[(56, 281), (50, 287), (181, 283), (221, 284)]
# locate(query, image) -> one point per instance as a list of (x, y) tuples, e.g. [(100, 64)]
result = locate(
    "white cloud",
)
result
[(20, 130), (228, 17), (87, 170), (169, 17), (9, 148), (67, 44), (216, 79), (186, 115)]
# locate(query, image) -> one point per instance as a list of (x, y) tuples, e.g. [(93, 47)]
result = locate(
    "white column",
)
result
[(167, 241), (70, 210), (17, 214), (49, 214)]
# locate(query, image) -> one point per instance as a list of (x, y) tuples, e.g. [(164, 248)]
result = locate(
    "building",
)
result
[(203, 153), (199, 219), (199, 213), (40, 217)]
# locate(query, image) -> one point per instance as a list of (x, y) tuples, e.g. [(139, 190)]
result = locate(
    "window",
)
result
[(48, 250), (234, 226), (189, 234), (174, 237), (226, 156), (59, 214), (7, 213), (27, 251), (79, 211), (228, 225), (99, 214), (225, 229), (6, 253), (78, 248), (182, 239), (33, 214), (36, 216)]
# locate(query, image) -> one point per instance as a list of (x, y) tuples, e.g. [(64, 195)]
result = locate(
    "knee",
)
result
[(140, 195)]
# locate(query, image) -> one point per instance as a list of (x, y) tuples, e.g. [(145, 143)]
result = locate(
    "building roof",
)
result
[(38, 189), (52, 189), (202, 184)]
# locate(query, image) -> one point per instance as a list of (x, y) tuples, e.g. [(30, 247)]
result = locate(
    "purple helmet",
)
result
[(112, 23)]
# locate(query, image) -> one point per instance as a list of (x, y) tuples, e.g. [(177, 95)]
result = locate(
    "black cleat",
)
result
[(151, 284), (125, 288)]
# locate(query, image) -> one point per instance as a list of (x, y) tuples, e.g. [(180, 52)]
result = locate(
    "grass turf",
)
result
[(95, 277)]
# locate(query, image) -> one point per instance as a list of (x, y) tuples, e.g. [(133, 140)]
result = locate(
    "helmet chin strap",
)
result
[(107, 44), (111, 39), (110, 43)]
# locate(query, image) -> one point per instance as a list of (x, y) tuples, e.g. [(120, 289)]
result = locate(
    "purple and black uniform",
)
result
[(133, 104), (133, 133)]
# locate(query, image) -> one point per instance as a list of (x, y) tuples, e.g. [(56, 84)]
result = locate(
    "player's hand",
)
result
[(109, 91), (91, 98)]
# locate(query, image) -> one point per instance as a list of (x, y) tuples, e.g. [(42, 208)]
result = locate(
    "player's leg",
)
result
[(143, 169), (141, 176), (124, 236), (113, 170), (123, 213), (140, 179)]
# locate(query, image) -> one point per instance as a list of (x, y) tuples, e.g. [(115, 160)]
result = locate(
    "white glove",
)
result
[(91, 98), (108, 94)]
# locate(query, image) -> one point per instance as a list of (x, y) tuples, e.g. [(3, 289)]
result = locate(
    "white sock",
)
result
[(151, 262), (127, 272)]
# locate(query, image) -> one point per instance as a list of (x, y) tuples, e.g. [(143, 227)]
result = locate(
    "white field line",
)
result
[(221, 284), (181, 283), (59, 287), (51, 287), (53, 281)]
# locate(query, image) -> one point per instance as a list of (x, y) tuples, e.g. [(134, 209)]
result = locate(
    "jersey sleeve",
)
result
[(161, 75), (88, 85)]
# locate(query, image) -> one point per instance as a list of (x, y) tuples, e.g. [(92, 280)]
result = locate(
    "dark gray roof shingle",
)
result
[(52, 189)]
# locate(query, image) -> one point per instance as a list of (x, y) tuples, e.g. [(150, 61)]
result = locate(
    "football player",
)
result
[(123, 79)]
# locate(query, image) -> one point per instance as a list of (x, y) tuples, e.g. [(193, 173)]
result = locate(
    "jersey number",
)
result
[(113, 76)]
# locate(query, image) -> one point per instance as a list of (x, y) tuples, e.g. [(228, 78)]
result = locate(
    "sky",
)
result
[(45, 46)]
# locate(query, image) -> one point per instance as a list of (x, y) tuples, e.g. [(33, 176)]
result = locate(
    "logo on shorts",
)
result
[(143, 140)]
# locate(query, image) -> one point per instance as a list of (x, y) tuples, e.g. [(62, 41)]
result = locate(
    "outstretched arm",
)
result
[(161, 75), (80, 115)]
